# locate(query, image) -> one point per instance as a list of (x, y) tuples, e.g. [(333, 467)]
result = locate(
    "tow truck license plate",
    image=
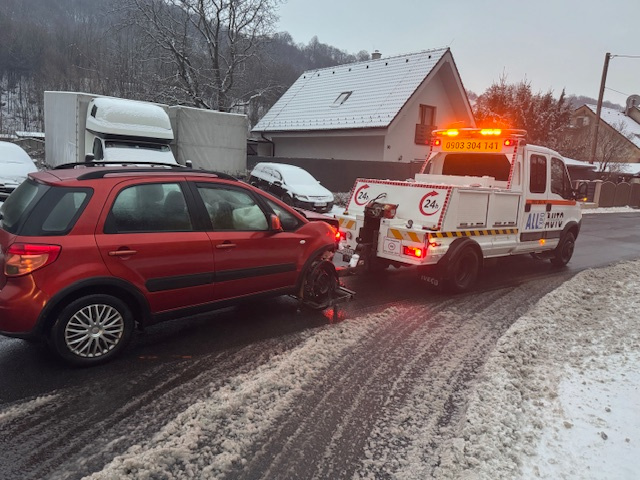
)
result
[(466, 145)]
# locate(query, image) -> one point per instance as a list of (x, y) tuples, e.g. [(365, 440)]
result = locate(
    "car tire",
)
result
[(319, 285), (92, 330), (463, 271), (564, 250)]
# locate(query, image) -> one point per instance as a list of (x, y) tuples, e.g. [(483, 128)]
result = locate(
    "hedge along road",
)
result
[(261, 391)]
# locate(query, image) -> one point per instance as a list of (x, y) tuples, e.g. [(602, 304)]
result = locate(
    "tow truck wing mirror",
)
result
[(581, 192)]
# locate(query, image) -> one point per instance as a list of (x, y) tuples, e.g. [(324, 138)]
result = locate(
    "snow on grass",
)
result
[(559, 396), (626, 209), (215, 434)]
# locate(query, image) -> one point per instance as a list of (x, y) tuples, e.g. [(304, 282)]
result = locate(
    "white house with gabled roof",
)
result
[(380, 110)]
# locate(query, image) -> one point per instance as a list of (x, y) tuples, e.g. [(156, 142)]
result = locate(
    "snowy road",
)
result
[(262, 392)]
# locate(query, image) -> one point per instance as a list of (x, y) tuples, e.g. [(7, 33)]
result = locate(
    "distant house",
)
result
[(371, 118), (614, 122)]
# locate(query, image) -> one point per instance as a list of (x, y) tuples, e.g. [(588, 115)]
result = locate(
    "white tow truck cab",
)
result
[(481, 194)]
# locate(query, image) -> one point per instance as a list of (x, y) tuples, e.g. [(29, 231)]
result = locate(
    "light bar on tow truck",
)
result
[(484, 140)]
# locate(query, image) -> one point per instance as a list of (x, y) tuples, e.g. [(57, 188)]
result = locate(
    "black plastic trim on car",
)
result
[(212, 306), (181, 281), (102, 282), (186, 281), (227, 275)]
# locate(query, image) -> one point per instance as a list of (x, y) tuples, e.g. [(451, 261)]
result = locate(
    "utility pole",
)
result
[(594, 135)]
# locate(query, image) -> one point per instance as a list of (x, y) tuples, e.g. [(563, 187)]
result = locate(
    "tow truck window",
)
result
[(560, 182), (538, 170), (477, 165)]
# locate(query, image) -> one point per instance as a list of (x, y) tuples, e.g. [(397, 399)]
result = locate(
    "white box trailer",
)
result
[(209, 139), (482, 193)]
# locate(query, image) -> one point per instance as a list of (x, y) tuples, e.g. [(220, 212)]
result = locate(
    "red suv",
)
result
[(89, 254)]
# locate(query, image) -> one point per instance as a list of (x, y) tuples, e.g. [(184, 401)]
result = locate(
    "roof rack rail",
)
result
[(103, 172), (100, 163)]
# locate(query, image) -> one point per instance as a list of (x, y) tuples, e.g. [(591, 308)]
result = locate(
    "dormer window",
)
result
[(341, 99)]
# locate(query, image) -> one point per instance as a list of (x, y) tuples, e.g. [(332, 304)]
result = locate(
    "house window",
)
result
[(582, 121), (341, 99), (427, 115)]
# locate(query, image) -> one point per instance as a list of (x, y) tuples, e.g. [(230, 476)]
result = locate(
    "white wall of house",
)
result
[(442, 90), (344, 146)]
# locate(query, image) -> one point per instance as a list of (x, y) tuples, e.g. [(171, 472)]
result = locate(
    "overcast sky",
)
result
[(554, 44)]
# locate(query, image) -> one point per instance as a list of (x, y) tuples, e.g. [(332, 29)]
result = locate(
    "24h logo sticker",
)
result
[(429, 204), (361, 197)]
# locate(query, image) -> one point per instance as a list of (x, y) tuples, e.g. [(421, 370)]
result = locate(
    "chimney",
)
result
[(376, 55)]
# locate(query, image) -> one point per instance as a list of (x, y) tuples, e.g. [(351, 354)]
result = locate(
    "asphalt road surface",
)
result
[(62, 423)]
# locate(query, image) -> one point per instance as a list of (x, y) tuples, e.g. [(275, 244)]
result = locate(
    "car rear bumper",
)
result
[(20, 305)]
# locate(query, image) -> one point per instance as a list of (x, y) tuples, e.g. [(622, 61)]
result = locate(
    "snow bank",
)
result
[(559, 396)]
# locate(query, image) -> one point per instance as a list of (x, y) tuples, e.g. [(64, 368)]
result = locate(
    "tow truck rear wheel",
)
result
[(463, 271), (564, 250)]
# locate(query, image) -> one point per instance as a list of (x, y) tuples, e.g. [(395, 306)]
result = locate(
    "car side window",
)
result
[(288, 221), (232, 209), (560, 183), (538, 174), (149, 207)]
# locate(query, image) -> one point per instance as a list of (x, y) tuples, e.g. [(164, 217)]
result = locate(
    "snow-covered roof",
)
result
[(365, 94), (30, 134), (615, 118), (579, 163)]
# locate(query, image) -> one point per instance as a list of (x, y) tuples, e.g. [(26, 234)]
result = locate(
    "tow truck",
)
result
[(482, 193)]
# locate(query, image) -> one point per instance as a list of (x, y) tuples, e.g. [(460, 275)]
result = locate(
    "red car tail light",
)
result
[(24, 258)]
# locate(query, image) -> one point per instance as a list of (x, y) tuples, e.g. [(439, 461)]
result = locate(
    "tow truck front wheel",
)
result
[(564, 251), (320, 285), (463, 271)]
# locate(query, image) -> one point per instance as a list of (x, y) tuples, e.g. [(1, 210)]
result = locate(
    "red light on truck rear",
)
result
[(413, 251), (437, 142), (24, 258), (509, 143)]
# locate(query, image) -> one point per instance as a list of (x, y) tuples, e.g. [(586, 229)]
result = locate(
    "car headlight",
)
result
[(304, 198)]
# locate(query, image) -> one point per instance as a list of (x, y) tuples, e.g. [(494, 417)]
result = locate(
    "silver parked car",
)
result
[(15, 165)]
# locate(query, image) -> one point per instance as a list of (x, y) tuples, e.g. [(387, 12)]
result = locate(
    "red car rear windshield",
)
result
[(35, 209)]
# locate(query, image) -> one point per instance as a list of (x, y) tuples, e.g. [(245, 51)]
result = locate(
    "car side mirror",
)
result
[(277, 183), (581, 192), (275, 225)]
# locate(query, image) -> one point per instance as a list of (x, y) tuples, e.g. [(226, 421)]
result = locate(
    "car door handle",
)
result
[(226, 245), (122, 253)]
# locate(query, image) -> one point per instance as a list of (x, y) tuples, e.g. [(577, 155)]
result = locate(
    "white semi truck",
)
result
[(481, 194), (109, 129), (114, 129)]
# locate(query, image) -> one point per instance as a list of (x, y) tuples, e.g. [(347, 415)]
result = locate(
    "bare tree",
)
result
[(613, 150), (204, 46)]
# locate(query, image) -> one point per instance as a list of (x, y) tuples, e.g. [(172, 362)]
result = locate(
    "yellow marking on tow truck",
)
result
[(403, 235), (347, 223), (474, 233)]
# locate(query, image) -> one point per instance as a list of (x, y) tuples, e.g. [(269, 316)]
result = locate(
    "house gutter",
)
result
[(273, 145)]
